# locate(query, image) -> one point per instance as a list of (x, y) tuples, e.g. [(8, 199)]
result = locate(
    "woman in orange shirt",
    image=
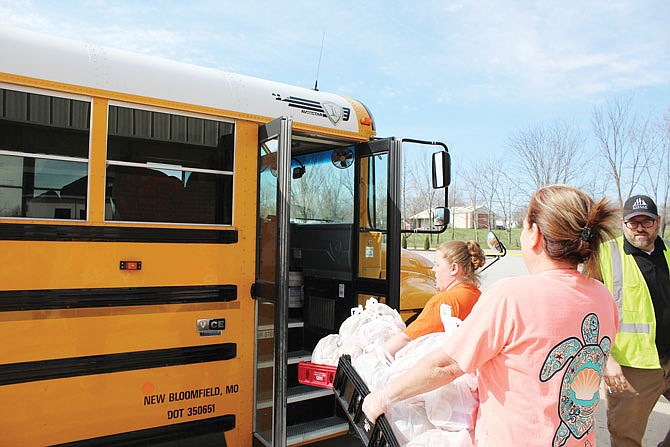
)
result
[(456, 264)]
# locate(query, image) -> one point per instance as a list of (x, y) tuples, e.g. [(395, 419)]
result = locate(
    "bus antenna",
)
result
[(318, 66)]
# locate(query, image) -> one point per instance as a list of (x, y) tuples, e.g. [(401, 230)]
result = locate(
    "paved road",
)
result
[(659, 421)]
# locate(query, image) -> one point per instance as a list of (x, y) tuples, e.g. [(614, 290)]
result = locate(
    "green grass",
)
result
[(511, 241), (417, 241)]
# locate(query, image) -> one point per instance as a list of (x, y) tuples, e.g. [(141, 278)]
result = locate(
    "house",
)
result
[(429, 219), (466, 216)]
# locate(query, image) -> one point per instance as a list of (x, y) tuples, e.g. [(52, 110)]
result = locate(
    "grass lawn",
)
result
[(509, 239)]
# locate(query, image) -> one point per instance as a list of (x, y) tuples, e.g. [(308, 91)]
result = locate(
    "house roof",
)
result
[(425, 214)]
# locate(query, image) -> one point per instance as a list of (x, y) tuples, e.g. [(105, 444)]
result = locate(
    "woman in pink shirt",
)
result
[(539, 343)]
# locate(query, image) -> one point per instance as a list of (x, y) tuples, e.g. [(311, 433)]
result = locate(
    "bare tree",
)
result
[(662, 161), (548, 154), (470, 179), (596, 185), (621, 143), (508, 197), (455, 193), (418, 192), (489, 174)]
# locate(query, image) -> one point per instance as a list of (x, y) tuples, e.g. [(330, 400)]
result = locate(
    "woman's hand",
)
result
[(614, 379), (375, 404)]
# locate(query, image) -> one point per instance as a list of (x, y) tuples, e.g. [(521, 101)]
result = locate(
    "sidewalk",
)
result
[(657, 427)]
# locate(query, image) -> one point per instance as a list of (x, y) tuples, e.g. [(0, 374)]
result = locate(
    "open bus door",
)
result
[(385, 270), (378, 221), (271, 288), (330, 210)]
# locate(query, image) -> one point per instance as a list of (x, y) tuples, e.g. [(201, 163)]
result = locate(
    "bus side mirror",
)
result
[(494, 243), (441, 169), (299, 170), (441, 217)]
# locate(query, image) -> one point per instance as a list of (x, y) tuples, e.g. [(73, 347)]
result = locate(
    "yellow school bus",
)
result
[(175, 239)]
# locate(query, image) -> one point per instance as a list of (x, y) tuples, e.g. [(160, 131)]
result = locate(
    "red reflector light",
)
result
[(367, 121), (130, 265)]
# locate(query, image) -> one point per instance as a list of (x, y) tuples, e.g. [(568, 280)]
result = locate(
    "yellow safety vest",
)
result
[(635, 343)]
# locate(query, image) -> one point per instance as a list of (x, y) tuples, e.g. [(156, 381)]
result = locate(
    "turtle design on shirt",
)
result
[(584, 364)]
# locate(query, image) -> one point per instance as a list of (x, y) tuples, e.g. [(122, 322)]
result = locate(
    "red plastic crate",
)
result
[(316, 374)]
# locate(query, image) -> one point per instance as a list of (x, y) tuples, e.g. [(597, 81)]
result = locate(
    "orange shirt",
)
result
[(461, 298)]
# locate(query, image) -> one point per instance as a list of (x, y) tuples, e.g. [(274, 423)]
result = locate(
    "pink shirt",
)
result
[(539, 345)]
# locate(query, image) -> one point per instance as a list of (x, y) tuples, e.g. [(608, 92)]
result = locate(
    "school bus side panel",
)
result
[(72, 373)]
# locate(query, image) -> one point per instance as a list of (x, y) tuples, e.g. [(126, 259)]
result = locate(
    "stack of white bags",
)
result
[(442, 417)]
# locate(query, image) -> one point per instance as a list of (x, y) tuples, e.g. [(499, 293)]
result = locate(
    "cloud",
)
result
[(538, 48), (465, 51)]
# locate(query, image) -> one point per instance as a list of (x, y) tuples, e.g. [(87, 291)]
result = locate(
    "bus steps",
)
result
[(305, 392), (312, 431)]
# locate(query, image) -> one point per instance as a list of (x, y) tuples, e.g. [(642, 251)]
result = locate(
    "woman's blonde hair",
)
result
[(469, 255), (572, 224)]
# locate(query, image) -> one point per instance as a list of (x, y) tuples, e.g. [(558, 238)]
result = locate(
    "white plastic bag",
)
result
[(451, 407), (408, 419), (377, 329), (454, 406), (351, 324), (442, 438), (377, 310), (375, 323), (412, 352), (373, 366), (371, 369), (449, 322), (326, 351)]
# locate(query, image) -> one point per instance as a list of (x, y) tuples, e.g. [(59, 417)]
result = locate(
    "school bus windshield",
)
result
[(322, 188)]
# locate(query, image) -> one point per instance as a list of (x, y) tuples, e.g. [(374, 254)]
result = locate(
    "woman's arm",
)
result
[(432, 371), (396, 343)]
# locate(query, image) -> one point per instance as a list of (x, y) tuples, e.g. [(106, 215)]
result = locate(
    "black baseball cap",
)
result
[(639, 205)]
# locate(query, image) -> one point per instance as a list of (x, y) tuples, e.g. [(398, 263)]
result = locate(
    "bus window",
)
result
[(324, 192), (44, 143), (378, 191), (168, 168)]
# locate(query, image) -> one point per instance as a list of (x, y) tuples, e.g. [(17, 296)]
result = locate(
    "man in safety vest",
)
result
[(635, 269)]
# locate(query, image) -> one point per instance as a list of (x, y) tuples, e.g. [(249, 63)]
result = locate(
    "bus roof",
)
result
[(30, 58)]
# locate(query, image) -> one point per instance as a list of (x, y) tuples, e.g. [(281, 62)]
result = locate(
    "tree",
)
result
[(418, 192), (661, 185), (508, 196), (455, 199), (470, 178), (621, 142), (548, 153), (490, 173)]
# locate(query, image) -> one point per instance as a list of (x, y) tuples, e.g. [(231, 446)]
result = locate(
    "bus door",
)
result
[(378, 221), (426, 172), (394, 178), (271, 286)]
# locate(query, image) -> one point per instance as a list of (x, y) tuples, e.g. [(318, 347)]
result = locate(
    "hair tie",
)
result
[(587, 234)]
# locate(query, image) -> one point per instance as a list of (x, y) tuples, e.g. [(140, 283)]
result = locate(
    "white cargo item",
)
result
[(442, 438)]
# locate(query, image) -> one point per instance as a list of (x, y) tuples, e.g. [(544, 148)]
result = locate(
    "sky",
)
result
[(466, 73)]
